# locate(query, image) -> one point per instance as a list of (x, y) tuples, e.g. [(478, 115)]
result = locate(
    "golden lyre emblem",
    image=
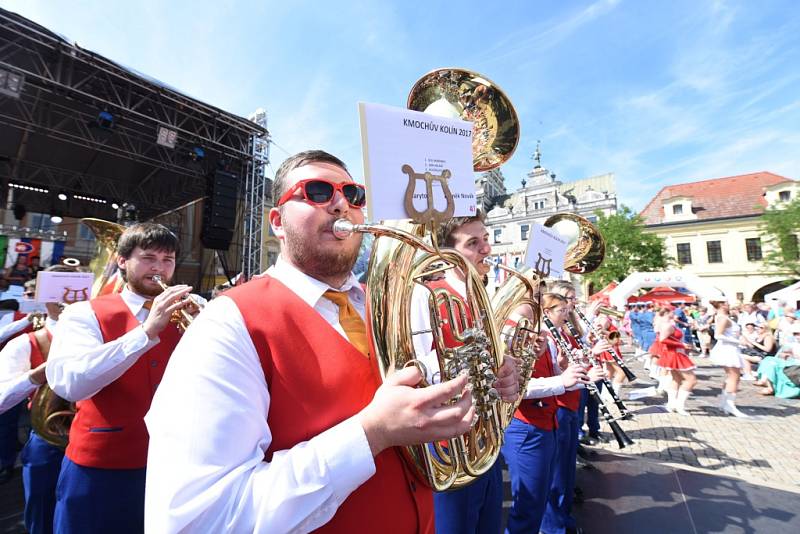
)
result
[(430, 214), (72, 296), (542, 266)]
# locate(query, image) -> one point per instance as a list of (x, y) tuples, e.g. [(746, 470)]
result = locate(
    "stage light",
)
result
[(166, 137), (105, 120), (56, 219), (62, 196), (114, 206), (197, 154)]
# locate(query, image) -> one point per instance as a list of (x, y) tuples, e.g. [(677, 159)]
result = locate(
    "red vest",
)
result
[(37, 357), (570, 400), (109, 431), (540, 413), (316, 380)]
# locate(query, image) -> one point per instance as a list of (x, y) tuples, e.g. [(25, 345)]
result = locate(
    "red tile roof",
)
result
[(733, 196)]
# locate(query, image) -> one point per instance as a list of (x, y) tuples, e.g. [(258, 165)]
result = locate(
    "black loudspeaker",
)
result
[(219, 210)]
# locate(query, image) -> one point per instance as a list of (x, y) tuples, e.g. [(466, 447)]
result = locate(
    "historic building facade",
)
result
[(509, 216), (713, 229)]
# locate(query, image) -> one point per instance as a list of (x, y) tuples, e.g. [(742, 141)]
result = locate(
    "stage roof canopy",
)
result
[(75, 123)]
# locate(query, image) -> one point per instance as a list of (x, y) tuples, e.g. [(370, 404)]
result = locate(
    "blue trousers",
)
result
[(9, 422), (41, 463), (92, 500), (530, 454), (589, 411), (558, 513), (477, 508)]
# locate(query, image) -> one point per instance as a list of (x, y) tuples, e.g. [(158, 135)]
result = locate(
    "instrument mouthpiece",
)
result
[(342, 229)]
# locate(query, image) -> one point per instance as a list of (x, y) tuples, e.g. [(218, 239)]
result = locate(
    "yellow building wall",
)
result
[(735, 276)]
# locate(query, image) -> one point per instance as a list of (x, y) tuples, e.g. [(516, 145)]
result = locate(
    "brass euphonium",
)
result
[(519, 289), (586, 247), (401, 259), (51, 416)]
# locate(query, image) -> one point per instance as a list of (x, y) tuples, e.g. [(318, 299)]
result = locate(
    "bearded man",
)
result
[(272, 416), (108, 355)]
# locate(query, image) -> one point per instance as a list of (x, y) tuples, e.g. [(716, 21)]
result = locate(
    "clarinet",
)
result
[(623, 411), (619, 435), (619, 361)]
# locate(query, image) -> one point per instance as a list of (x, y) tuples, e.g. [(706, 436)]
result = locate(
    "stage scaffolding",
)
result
[(85, 125)]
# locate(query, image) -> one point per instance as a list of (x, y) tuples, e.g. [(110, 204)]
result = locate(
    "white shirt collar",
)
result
[(455, 282), (134, 302), (309, 289)]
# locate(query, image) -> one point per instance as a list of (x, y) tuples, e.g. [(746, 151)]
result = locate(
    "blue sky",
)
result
[(658, 92)]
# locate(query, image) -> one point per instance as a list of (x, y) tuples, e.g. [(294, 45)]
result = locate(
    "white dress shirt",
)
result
[(208, 433), (15, 367), (80, 362), (13, 328)]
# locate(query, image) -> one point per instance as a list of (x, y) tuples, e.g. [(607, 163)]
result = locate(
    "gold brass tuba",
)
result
[(51, 416), (401, 259), (586, 247)]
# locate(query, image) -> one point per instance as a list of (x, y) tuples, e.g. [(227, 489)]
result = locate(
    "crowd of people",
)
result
[(753, 343)]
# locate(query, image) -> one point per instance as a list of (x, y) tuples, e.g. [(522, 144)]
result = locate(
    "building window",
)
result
[(677, 209), (538, 204), (592, 219), (714, 249), (684, 253), (498, 232), (41, 221), (753, 245), (523, 231), (784, 196)]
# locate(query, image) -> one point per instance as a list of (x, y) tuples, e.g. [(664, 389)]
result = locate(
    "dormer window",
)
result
[(784, 196), (677, 209)]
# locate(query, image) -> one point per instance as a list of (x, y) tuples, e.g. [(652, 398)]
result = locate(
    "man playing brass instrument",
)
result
[(109, 355), (477, 507), (271, 416)]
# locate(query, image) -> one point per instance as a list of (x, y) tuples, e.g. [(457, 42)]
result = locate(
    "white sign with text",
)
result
[(63, 287), (399, 144), (546, 251)]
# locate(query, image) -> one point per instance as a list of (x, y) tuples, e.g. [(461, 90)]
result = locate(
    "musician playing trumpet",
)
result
[(109, 355)]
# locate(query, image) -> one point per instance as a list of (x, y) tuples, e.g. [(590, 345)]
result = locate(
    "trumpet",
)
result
[(182, 318)]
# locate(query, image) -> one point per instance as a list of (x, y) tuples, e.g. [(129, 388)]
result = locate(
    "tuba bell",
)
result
[(586, 247)]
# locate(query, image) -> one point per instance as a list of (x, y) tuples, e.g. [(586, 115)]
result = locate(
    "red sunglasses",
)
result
[(319, 192)]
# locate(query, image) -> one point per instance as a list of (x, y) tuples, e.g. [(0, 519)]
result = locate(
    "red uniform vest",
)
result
[(316, 380), (109, 431), (570, 400), (540, 413)]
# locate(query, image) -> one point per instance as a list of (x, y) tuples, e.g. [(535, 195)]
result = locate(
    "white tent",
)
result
[(789, 294), (691, 282)]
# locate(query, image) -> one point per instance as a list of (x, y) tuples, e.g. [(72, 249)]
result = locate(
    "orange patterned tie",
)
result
[(148, 305), (351, 321)]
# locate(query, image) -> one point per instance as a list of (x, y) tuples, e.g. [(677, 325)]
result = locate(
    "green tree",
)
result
[(779, 232), (628, 248)]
